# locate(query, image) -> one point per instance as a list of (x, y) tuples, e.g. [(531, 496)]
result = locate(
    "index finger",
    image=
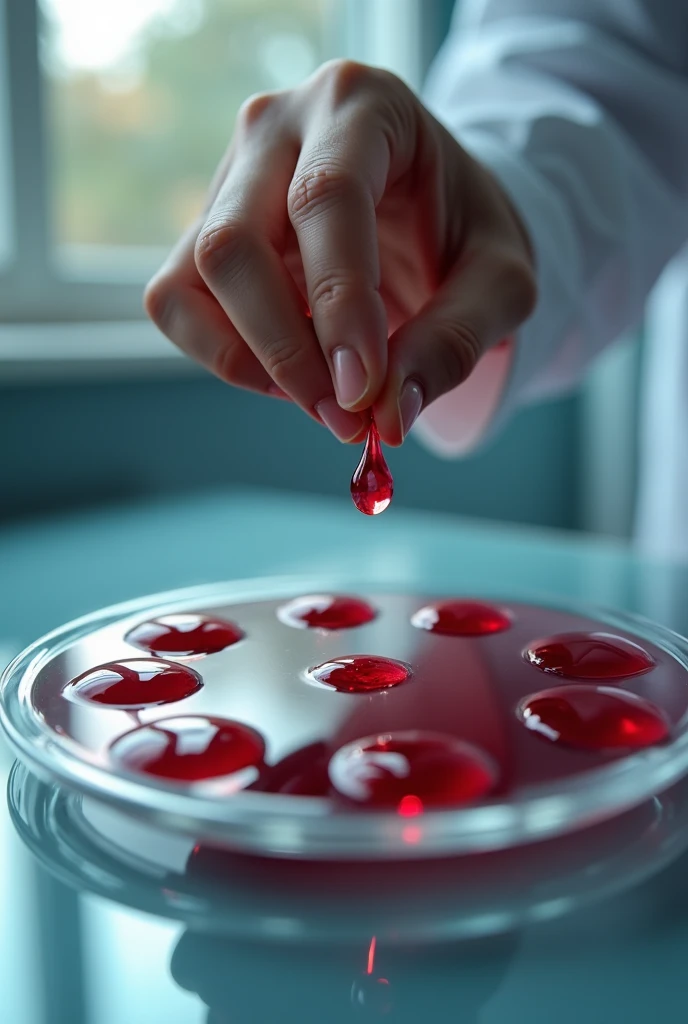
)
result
[(339, 178)]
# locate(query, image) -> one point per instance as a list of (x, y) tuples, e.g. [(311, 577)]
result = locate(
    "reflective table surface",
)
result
[(104, 926)]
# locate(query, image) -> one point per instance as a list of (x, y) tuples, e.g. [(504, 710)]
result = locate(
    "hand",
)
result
[(347, 198)]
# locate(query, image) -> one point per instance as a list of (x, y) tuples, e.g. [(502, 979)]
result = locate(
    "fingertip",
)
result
[(351, 326), (350, 377), (398, 411), (410, 404), (346, 426), (388, 421)]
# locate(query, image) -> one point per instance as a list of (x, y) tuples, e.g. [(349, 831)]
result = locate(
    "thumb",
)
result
[(487, 295)]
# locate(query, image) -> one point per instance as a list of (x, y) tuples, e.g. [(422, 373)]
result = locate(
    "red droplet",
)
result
[(461, 618), (185, 635), (372, 485), (595, 718), (325, 611), (589, 656), (192, 748), (359, 673), (135, 683), (437, 770)]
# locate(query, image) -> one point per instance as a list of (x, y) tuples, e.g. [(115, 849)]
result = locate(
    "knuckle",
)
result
[(253, 109), (457, 350), (343, 79), (220, 246), (346, 76), (317, 187), (158, 300), (331, 292), (281, 359)]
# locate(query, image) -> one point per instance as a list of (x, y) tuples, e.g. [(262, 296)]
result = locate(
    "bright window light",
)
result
[(141, 99)]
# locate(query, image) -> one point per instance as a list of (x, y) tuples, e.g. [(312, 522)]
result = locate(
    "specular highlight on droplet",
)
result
[(372, 485)]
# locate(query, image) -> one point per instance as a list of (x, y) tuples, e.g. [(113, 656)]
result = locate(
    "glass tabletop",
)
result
[(68, 953)]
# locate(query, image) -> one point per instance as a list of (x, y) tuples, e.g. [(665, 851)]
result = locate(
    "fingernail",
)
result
[(350, 378), (410, 404), (344, 425)]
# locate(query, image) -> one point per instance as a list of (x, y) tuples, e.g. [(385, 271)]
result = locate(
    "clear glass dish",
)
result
[(93, 847), (264, 687)]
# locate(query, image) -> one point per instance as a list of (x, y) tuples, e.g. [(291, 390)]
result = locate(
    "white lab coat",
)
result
[(580, 108)]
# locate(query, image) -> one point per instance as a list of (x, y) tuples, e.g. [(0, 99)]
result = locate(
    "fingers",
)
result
[(332, 209), (180, 305), (351, 150), (486, 296), (303, 174), (238, 256)]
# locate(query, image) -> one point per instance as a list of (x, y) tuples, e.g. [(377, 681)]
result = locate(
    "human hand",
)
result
[(347, 198)]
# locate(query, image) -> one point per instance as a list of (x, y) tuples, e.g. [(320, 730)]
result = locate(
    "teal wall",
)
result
[(82, 444)]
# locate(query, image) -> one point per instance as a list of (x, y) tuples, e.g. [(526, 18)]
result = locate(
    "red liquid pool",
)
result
[(411, 771), (135, 684), (359, 673), (190, 749), (595, 718), (327, 612), (589, 656), (461, 618), (372, 485), (186, 635)]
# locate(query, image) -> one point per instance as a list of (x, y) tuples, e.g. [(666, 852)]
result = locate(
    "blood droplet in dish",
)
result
[(187, 635), (461, 618), (135, 683), (594, 718), (436, 770), (326, 611), (359, 673), (191, 748), (589, 656)]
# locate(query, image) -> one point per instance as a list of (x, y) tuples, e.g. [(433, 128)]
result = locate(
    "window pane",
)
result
[(141, 100)]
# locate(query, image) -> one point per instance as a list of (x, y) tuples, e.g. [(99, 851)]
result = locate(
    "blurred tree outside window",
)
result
[(141, 97)]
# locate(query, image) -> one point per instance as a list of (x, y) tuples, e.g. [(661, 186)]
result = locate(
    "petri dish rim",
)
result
[(52, 823)]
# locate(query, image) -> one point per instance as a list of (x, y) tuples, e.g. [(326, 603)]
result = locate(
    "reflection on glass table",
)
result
[(294, 941)]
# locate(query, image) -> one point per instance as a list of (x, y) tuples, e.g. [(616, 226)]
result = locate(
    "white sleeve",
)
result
[(580, 109)]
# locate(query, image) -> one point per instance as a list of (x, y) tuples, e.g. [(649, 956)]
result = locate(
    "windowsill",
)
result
[(55, 353)]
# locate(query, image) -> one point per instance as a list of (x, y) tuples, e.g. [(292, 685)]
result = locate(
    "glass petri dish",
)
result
[(96, 848), (295, 794)]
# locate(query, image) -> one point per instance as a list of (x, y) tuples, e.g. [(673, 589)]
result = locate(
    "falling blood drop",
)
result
[(437, 770), (594, 718), (461, 618), (359, 673), (372, 485), (192, 748), (326, 612), (135, 683), (589, 656), (187, 635)]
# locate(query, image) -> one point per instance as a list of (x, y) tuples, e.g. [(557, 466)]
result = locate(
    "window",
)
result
[(113, 116)]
